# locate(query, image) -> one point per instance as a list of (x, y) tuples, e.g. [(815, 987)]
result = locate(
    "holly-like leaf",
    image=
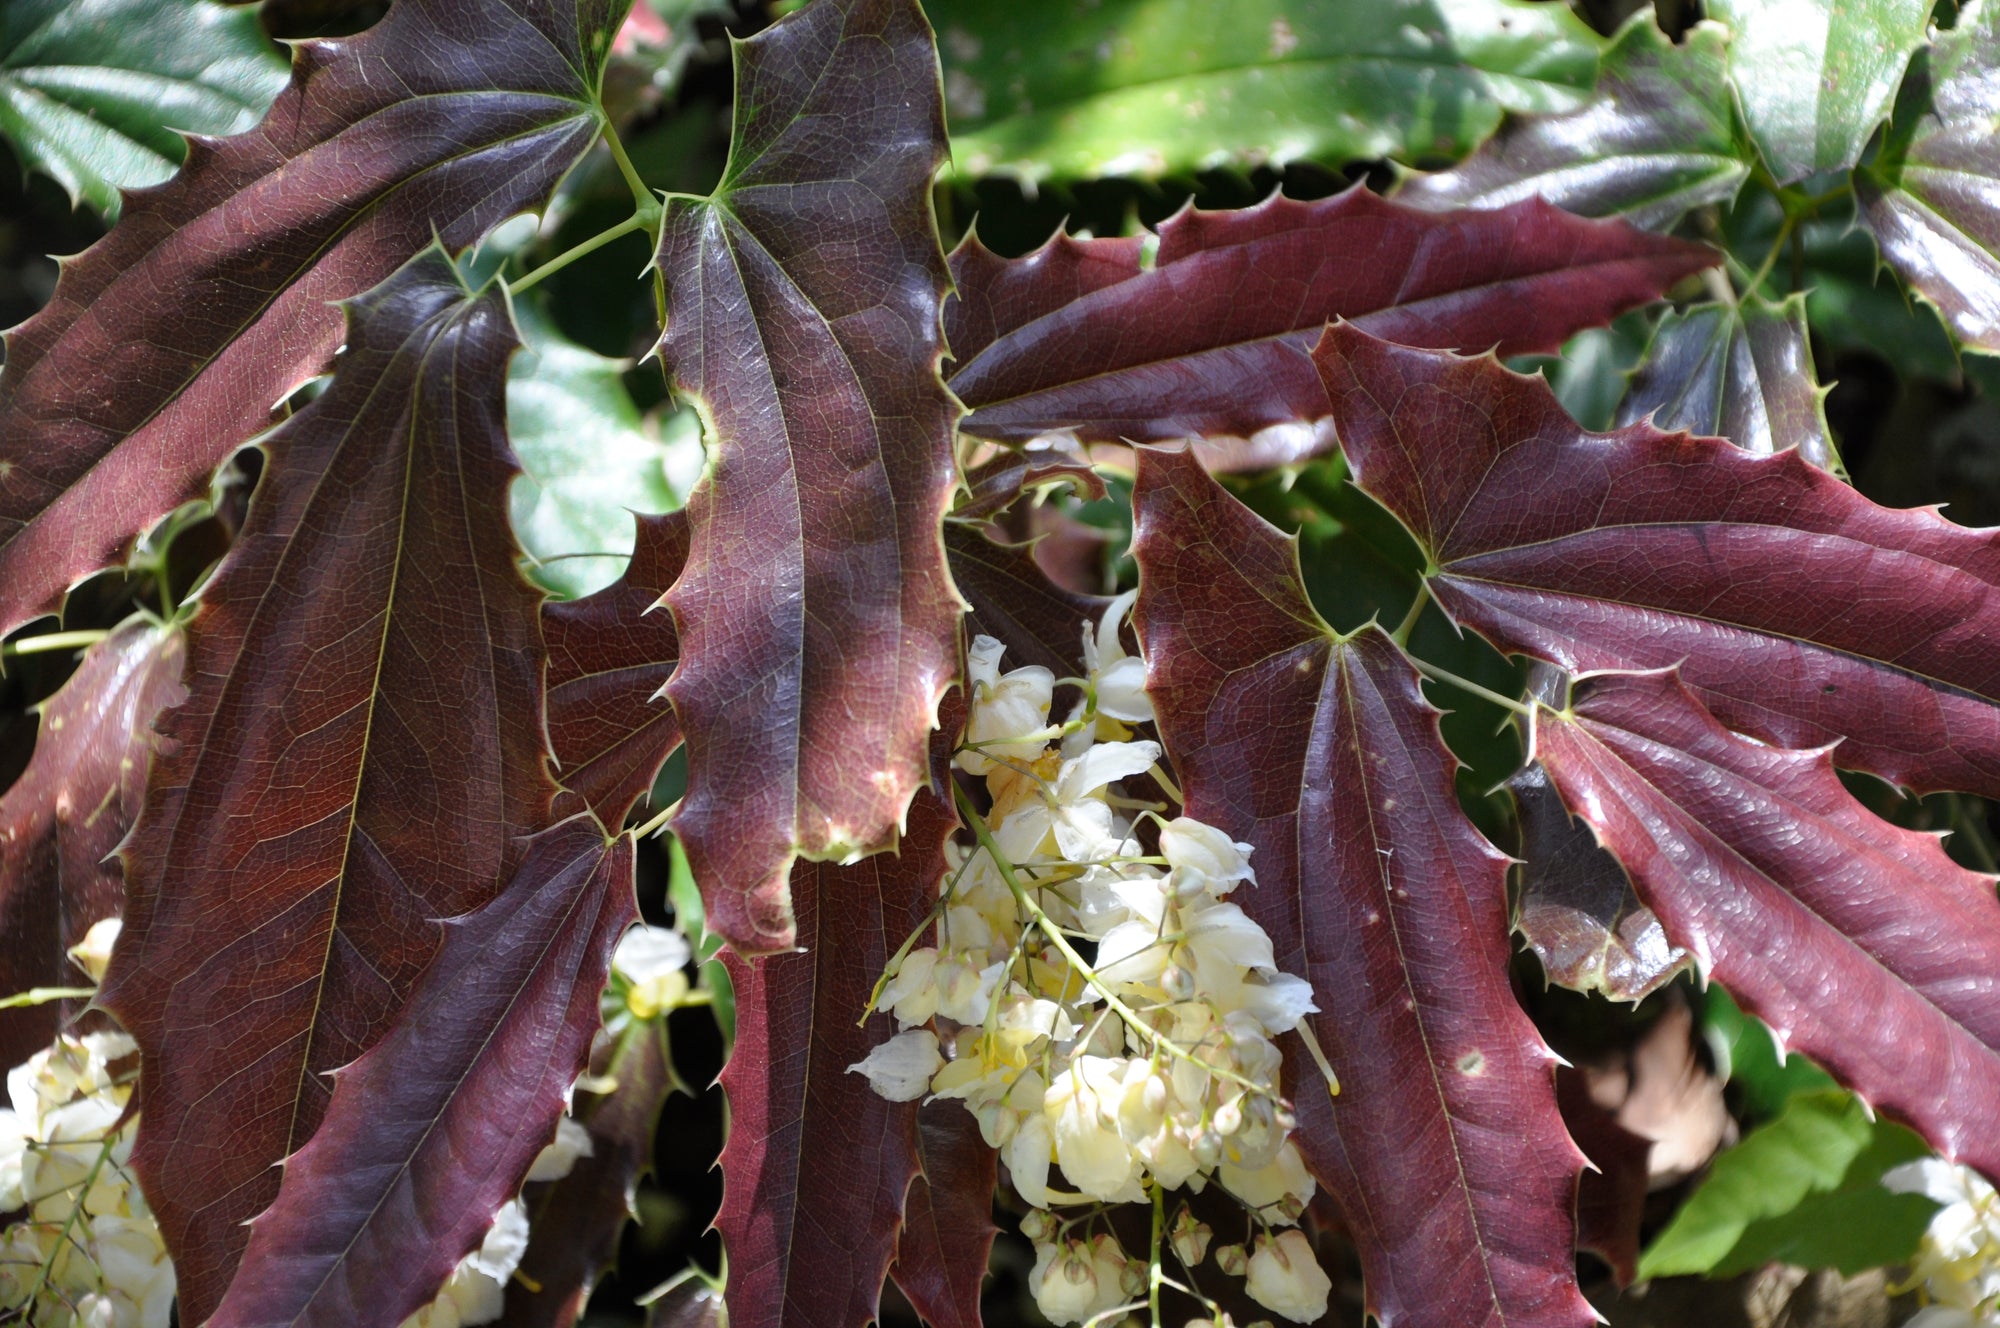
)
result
[(64, 817), (1213, 339), (609, 656), (1444, 1148), (1739, 371), (433, 1128), (1016, 603), (1002, 481), (1577, 910), (818, 623), (1799, 611), (1815, 77), (1862, 944), (817, 1163), (92, 92), (947, 1235), (1120, 88), (361, 743), (1929, 198), (1610, 1198), (1659, 137), (213, 295)]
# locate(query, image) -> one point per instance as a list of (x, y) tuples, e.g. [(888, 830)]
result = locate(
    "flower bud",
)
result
[(1232, 1260), (1228, 1118), (1285, 1276), (1190, 1238), (1177, 983), (1039, 1225), (1208, 1148)]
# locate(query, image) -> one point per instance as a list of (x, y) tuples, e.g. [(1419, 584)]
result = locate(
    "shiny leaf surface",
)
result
[(818, 624), (1444, 1149), (213, 293), (1213, 338), (361, 742), (1862, 944), (1799, 611), (1658, 138), (433, 1128)]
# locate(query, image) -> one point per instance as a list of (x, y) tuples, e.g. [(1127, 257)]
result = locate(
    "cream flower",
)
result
[(572, 1141), (1073, 809), (1080, 1108), (476, 1291), (1201, 852), (1959, 1260), (92, 954), (654, 961), (1119, 678), (1285, 1277), (1003, 709), (901, 1068)]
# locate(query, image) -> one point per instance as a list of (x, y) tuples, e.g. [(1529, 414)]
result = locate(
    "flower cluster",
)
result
[(1958, 1264), (1147, 1067)]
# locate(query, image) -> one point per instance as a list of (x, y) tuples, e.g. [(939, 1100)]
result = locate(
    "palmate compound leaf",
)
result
[(361, 745), (1444, 1149), (1212, 339), (168, 342), (435, 1126), (1864, 945), (818, 625), (947, 1235), (1800, 612), (64, 817), (817, 1163), (1932, 198)]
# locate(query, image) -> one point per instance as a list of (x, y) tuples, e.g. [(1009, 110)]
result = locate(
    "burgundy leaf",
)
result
[(577, 1220), (1016, 603), (1213, 338), (948, 1229), (1444, 1149), (212, 295), (1799, 611), (609, 655), (361, 743), (64, 817), (1611, 1198), (1577, 910), (817, 1163), (1862, 944), (998, 483), (432, 1129), (818, 623)]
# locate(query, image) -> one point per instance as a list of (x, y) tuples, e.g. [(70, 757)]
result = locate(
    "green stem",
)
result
[(43, 995), (1154, 1275), (69, 1224), (35, 645), (1436, 674), (1771, 259), (659, 822), (1401, 636), (648, 201), (637, 221)]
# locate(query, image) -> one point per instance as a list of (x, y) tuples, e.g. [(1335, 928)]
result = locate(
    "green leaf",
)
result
[(1659, 137), (1804, 1189), (1155, 87), (588, 459), (92, 92), (1815, 76), (1746, 1055)]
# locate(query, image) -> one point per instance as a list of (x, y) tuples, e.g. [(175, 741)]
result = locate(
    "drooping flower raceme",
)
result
[(1958, 1264), (1147, 1068)]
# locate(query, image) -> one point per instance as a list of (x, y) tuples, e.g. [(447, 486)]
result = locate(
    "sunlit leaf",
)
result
[(1799, 611), (433, 1128), (362, 742), (947, 1235), (67, 812), (213, 295), (818, 624), (1658, 138), (1444, 1149), (1864, 945), (1153, 87), (1212, 339), (1815, 77), (92, 91)]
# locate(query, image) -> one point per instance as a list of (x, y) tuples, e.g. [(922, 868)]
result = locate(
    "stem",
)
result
[(43, 995), (636, 221), (35, 645), (659, 822), (1436, 674), (1401, 636), (69, 1224), (1771, 259), (1154, 1275), (648, 201)]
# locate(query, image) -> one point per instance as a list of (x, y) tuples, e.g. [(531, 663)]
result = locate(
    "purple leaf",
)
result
[(948, 1230)]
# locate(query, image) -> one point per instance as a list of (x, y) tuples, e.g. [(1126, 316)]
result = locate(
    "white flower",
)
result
[(901, 1068), (1076, 1281), (1003, 708), (654, 961), (1201, 851), (1959, 1261), (1074, 810), (1268, 1186), (1285, 1277), (476, 1291), (93, 953), (13, 1153), (911, 993), (572, 1141), (1120, 679), (1080, 1108)]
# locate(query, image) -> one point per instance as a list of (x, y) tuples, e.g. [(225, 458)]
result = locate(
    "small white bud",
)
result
[(1285, 1276), (1232, 1260)]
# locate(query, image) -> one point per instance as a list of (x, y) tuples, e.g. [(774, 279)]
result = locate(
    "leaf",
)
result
[(362, 740), (92, 92), (818, 623), (1213, 338), (1659, 137), (1161, 87), (1862, 944), (1748, 1059), (1577, 910), (1814, 77), (1740, 371), (1611, 1197), (1804, 1189), (589, 462), (214, 294), (578, 1220), (1444, 1149), (610, 655), (997, 484), (432, 1129), (1929, 198), (64, 816), (817, 1163), (947, 1233), (1800, 612)]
